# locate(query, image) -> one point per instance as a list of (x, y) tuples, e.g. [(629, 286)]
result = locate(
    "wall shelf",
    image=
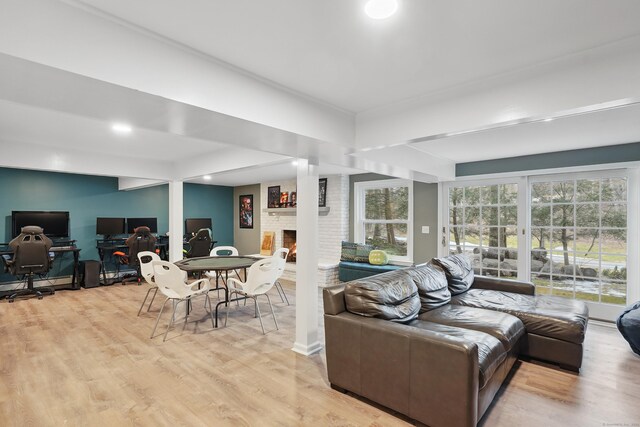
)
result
[(292, 211)]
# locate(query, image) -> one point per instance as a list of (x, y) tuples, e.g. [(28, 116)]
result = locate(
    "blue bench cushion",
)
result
[(348, 271)]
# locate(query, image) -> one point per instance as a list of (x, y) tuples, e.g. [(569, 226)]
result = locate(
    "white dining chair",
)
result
[(145, 260), (172, 284), (213, 277), (261, 277), (281, 257)]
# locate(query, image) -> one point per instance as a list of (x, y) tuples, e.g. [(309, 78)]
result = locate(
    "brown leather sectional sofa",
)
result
[(402, 340)]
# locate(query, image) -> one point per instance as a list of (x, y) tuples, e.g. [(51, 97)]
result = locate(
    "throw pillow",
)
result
[(378, 257), (348, 252), (458, 271), (362, 252)]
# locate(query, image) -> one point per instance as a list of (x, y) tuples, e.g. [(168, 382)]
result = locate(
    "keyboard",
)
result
[(62, 248)]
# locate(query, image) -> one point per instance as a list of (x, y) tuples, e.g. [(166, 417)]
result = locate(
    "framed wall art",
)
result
[(246, 211)]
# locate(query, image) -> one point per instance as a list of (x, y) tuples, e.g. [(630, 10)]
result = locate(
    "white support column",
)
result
[(307, 260), (175, 220)]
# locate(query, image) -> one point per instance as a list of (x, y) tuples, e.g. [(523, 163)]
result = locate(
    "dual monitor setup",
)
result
[(116, 226), (56, 224)]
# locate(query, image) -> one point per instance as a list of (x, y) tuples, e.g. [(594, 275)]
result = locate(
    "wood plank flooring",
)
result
[(84, 358)]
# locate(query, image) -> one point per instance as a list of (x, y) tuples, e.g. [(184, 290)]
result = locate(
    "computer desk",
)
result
[(112, 245), (6, 250)]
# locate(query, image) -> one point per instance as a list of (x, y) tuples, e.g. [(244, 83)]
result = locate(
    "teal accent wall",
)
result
[(560, 159), (87, 197), (215, 202)]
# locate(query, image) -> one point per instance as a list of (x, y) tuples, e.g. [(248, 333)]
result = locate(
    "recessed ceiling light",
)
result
[(121, 128), (207, 177), (294, 163), (548, 119), (380, 9)]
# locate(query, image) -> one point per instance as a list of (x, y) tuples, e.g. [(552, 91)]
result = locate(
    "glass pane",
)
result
[(562, 215), (471, 196), (540, 238), (456, 197), (489, 215), (392, 238), (587, 244), (472, 236), (562, 239), (508, 194), (456, 236), (471, 215), (508, 237), (614, 245), (587, 215), (614, 271), (541, 192), (562, 192), (614, 215), (614, 292), (588, 190), (614, 190), (455, 215), (508, 215), (387, 203), (587, 289), (541, 215), (538, 260), (489, 195)]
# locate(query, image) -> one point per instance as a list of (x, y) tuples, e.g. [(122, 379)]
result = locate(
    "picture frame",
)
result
[(322, 192), (246, 211), (273, 196), (268, 243)]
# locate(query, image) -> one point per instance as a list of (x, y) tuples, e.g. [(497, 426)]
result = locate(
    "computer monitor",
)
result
[(192, 225), (110, 226), (133, 223), (54, 224)]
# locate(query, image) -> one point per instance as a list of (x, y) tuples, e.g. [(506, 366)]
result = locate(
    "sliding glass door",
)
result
[(569, 234)]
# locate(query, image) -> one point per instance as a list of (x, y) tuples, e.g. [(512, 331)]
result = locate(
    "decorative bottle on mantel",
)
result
[(284, 199)]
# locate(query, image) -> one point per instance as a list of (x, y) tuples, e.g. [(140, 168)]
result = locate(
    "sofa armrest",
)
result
[(506, 285), (414, 371)]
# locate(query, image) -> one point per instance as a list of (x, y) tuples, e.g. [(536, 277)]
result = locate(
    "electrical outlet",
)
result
[(425, 229)]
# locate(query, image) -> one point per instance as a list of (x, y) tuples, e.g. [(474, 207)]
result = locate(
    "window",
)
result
[(384, 216), (579, 237), (483, 223)]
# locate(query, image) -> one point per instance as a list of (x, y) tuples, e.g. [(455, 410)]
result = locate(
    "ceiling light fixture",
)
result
[(380, 9), (207, 177), (121, 128), (294, 163), (548, 119)]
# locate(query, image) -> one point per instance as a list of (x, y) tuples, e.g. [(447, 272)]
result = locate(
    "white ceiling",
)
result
[(438, 54), (331, 51)]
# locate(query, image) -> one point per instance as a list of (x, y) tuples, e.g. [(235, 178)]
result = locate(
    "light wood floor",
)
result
[(84, 358)]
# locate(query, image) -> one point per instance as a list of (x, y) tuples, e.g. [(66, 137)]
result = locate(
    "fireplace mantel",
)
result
[(292, 211)]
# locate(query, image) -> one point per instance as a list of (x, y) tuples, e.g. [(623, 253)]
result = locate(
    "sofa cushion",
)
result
[(503, 326), (549, 316), (458, 270), (432, 286), (391, 296), (348, 252), (378, 257), (491, 352), (362, 252)]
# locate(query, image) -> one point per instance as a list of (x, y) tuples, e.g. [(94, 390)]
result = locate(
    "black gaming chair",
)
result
[(140, 240), (30, 257), (200, 244)]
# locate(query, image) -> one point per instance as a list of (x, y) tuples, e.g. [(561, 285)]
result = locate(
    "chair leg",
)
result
[(145, 300), (173, 317), (272, 312), (155, 289), (226, 317), (186, 313), (158, 319), (255, 301), (282, 292)]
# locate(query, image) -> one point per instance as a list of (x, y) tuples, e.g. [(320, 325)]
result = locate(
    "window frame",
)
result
[(360, 221)]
